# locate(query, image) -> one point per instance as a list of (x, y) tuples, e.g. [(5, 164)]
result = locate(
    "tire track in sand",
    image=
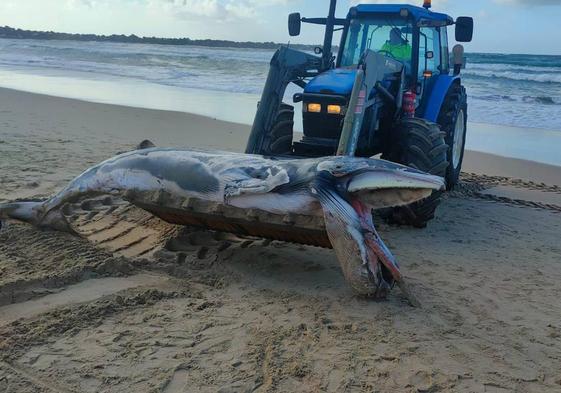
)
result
[(474, 186)]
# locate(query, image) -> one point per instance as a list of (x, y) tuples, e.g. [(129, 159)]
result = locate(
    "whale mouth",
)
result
[(391, 188), (382, 188), (366, 261)]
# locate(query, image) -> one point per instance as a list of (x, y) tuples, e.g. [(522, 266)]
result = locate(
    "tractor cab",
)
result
[(390, 89), (413, 36), (412, 39)]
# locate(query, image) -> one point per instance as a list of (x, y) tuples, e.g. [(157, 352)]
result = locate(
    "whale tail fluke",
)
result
[(27, 211), (33, 212)]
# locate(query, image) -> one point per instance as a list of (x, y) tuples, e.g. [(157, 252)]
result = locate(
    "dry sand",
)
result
[(138, 305)]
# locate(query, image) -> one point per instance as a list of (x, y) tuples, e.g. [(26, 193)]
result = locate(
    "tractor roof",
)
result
[(417, 12)]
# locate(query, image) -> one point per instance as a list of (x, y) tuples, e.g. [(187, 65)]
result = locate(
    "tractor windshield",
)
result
[(389, 36)]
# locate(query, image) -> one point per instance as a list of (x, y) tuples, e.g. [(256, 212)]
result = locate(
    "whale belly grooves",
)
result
[(293, 228)]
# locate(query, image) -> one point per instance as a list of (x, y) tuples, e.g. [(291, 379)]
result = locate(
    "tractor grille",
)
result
[(322, 125)]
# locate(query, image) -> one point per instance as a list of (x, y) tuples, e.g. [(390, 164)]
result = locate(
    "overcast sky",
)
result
[(507, 26)]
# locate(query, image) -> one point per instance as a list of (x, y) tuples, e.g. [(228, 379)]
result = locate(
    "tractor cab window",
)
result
[(391, 37), (444, 55), (429, 51)]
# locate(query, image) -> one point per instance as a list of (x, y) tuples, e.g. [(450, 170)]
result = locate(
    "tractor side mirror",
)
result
[(294, 24), (464, 29)]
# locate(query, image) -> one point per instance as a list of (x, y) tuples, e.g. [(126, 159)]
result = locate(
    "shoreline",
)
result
[(238, 107), (49, 82), (69, 135), (496, 165)]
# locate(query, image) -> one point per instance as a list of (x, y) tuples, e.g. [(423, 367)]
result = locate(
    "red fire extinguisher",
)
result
[(409, 98)]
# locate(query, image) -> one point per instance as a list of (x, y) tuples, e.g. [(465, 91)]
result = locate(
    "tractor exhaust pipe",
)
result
[(458, 52), (328, 40)]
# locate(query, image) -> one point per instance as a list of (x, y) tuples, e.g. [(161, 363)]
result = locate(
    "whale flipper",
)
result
[(145, 144)]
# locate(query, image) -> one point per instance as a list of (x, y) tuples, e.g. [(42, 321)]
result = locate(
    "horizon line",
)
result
[(202, 39)]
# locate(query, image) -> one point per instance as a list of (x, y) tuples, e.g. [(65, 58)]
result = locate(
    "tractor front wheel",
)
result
[(282, 131), (419, 144)]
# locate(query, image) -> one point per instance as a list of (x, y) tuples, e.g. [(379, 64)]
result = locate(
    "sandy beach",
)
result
[(138, 305)]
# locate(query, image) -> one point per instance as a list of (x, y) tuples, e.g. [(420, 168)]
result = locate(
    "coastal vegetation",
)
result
[(14, 33)]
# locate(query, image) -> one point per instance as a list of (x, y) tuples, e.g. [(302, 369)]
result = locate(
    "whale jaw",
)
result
[(381, 188), (348, 201)]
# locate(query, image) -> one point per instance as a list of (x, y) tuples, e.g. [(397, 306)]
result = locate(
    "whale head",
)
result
[(349, 188), (379, 183)]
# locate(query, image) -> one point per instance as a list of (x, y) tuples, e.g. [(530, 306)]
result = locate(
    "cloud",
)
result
[(189, 9), (219, 10)]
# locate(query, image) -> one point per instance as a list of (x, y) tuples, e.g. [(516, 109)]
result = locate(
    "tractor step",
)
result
[(315, 147)]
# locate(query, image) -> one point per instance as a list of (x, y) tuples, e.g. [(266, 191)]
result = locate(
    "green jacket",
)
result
[(400, 52)]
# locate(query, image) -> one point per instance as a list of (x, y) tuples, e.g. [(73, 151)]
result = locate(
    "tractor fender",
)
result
[(437, 96)]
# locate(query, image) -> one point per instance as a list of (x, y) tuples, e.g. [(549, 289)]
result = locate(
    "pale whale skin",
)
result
[(341, 189)]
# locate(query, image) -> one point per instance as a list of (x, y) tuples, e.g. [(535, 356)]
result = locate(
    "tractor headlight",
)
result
[(334, 109), (315, 108)]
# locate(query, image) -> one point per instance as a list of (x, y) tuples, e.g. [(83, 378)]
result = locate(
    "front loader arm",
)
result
[(372, 69), (287, 65)]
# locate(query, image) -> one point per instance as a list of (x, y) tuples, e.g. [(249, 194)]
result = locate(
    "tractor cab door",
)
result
[(430, 58)]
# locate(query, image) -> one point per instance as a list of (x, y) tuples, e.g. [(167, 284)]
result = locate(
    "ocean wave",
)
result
[(515, 114), (133, 54), (542, 100), (517, 76), (515, 60), (502, 89), (512, 67)]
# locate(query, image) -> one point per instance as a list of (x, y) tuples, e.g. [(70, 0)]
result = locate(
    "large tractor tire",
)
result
[(453, 121), (419, 144), (282, 131)]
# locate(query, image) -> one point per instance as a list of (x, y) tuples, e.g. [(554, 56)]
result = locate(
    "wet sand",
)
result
[(136, 304)]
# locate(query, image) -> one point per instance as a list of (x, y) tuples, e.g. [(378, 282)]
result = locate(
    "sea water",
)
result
[(504, 89)]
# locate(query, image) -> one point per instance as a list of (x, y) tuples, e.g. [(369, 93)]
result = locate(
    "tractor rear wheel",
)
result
[(419, 144), (282, 131), (453, 121)]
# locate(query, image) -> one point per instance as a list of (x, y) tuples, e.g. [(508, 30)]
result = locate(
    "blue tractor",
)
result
[(391, 90)]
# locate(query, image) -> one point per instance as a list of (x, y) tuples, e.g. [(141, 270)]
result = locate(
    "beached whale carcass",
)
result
[(319, 201)]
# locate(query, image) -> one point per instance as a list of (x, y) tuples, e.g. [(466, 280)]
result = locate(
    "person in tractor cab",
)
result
[(397, 46)]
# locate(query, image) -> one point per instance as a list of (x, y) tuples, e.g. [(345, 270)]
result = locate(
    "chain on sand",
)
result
[(472, 185)]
